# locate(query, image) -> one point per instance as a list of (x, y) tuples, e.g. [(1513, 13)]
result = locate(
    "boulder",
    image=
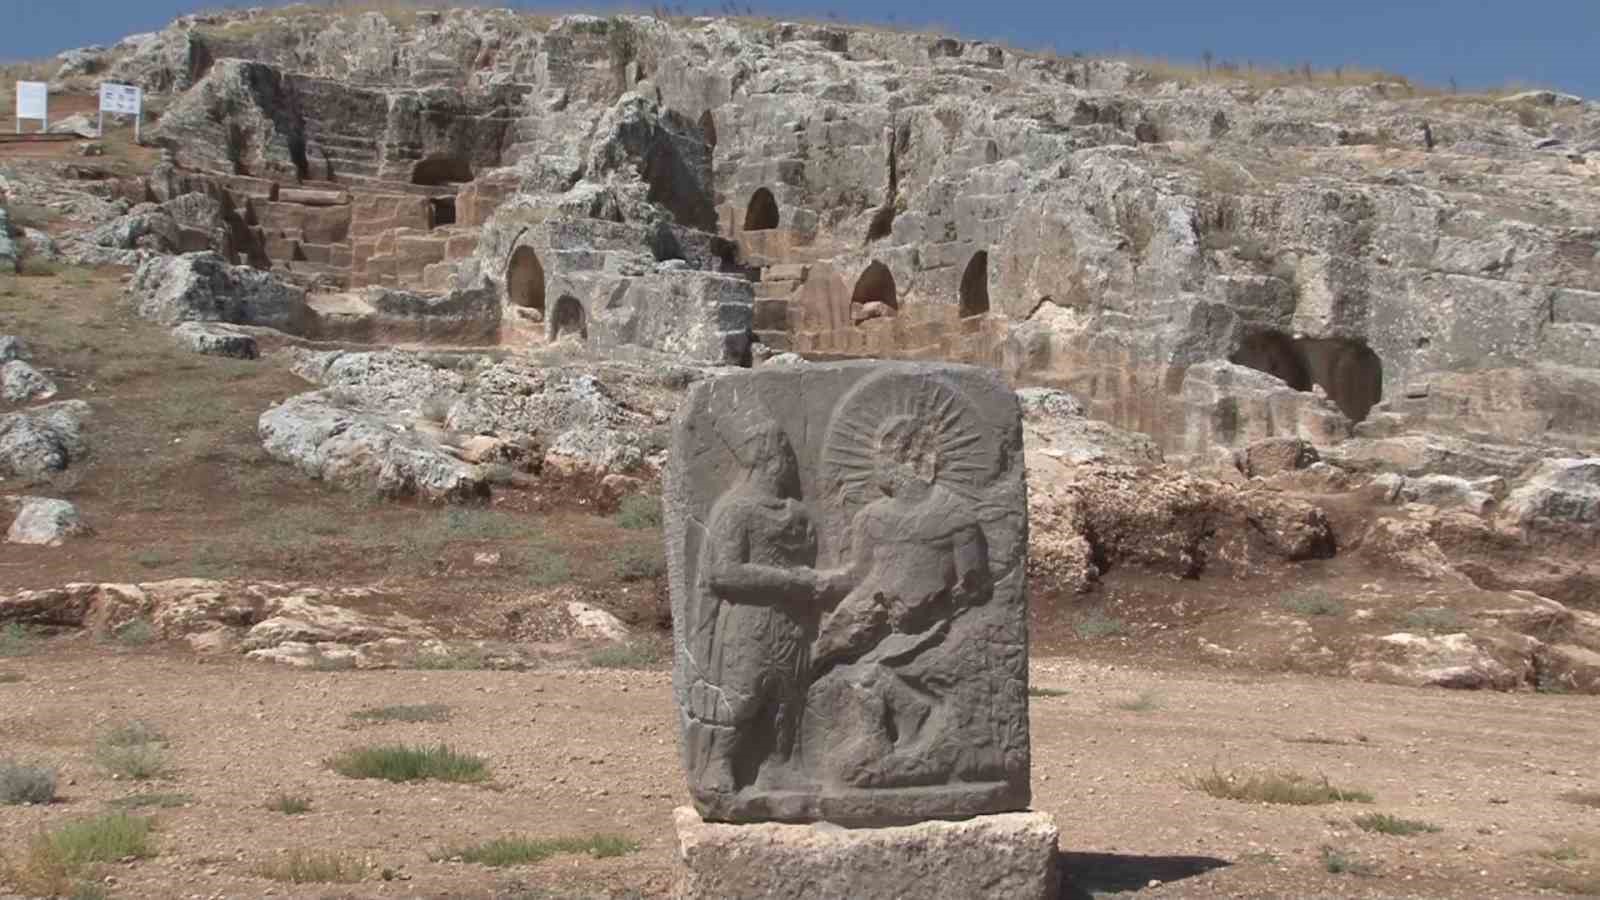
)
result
[(12, 347), (43, 439), (204, 287), (1461, 661), (1560, 491), (1476, 495), (216, 339), (1274, 456), (44, 521), (76, 124), (368, 450), (20, 383)]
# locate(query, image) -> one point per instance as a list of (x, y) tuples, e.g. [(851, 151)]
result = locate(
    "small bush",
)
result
[(310, 867), (1313, 603), (157, 800), (639, 512), (1383, 823), (543, 566), (135, 750), (1437, 619), (400, 763), (135, 633), (1337, 862), (451, 659), (16, 640), (1036, 691), (54, 858), (1564, 853), (1145, 702), (290, 804), (1286, 788), (26, 784), (639, 563), (636, 655), (425, 712), (516, 851), (1096, 624)]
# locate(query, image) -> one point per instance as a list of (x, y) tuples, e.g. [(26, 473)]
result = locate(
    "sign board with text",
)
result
[(33, 102), (122, 99)]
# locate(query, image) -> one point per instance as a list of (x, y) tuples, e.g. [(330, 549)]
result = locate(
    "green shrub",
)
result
[(639, 512), (1097, 624), (1036, 691), (158, 800), (16, 640), (635, 655), (312, 867), (26, 784), (516, 851), (1313, 603), (134, 633), (424, 712), (639, 563), (400, 763), (1337, 862), (135, 750), (1286, 788), (1383, 823)]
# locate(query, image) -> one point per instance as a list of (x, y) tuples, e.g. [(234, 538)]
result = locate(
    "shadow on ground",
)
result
[(1085, 875)]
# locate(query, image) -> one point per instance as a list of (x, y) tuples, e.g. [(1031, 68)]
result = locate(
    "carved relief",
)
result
[(847, 547)]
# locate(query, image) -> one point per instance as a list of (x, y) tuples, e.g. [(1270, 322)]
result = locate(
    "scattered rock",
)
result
[(10, 256), (78, 124), (596, 624), (43, 439), (1565, 491), (47, 522), (20, 383), (204, 287), (216, 339)]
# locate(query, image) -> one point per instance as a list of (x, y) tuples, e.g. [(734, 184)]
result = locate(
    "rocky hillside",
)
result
[(1273, 328)]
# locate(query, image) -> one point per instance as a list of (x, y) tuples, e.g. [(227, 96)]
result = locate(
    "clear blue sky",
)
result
[(1480, 43)]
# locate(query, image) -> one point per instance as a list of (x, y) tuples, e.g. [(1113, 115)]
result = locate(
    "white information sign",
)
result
[(33, 102), (123, 99)]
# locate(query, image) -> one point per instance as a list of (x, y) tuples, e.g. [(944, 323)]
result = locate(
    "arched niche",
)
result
[(569, 319), (975, 286), (525, 281), (762, 213), (440, 171), (874, 296)]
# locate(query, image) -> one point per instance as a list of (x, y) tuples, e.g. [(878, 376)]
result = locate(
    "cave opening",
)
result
[(975, 286), (1347, 370)]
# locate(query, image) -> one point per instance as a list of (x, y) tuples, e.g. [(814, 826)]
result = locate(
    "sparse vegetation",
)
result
[(16, 639), (421, 712), (26, 784), (1035, 690), (11, 677), (634, 655), (401, 763), (157, 800), (639, 512), (1313, 603), (1583, 798), (542, 566), (1572, 884), (290, 804), (1144, 702), (465, 657), (53, 859), (1338, 862), (1383, 823), (516, 851), (312, 867), (135, 750), (1287, 788), (1436, 619), (1563, 853), (134, 633), (1098, 624), (639, 563)]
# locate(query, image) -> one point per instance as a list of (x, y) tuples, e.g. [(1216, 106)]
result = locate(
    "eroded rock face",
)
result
[(206, 288), (1564, 491), (837, 534)]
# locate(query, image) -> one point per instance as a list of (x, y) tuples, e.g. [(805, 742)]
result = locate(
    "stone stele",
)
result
[(847, 546)]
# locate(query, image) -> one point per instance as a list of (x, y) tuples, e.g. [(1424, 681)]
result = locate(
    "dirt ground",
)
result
[(575, 753)]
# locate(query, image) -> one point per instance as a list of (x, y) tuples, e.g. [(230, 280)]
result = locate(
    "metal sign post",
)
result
[(122, 99), (33, 102)]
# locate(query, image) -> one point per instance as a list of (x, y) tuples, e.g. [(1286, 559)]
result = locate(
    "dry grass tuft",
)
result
[(1286, 788), (312, 867), (401, 763), (1383, 823), (516, 851), (53, 859)]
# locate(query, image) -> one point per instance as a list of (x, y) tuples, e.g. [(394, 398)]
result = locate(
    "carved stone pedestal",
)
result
[(1009, 856)]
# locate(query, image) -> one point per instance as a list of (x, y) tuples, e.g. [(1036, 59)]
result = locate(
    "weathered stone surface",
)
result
[(204, 287), (43, 439), (41, 520), (12, 347), (847, 546), (366, 449), (1054, 425), (1276, 455), (1458, 661), (1559, 491), (20, 383), (1003, 857), (10, 256), (216, 339)]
